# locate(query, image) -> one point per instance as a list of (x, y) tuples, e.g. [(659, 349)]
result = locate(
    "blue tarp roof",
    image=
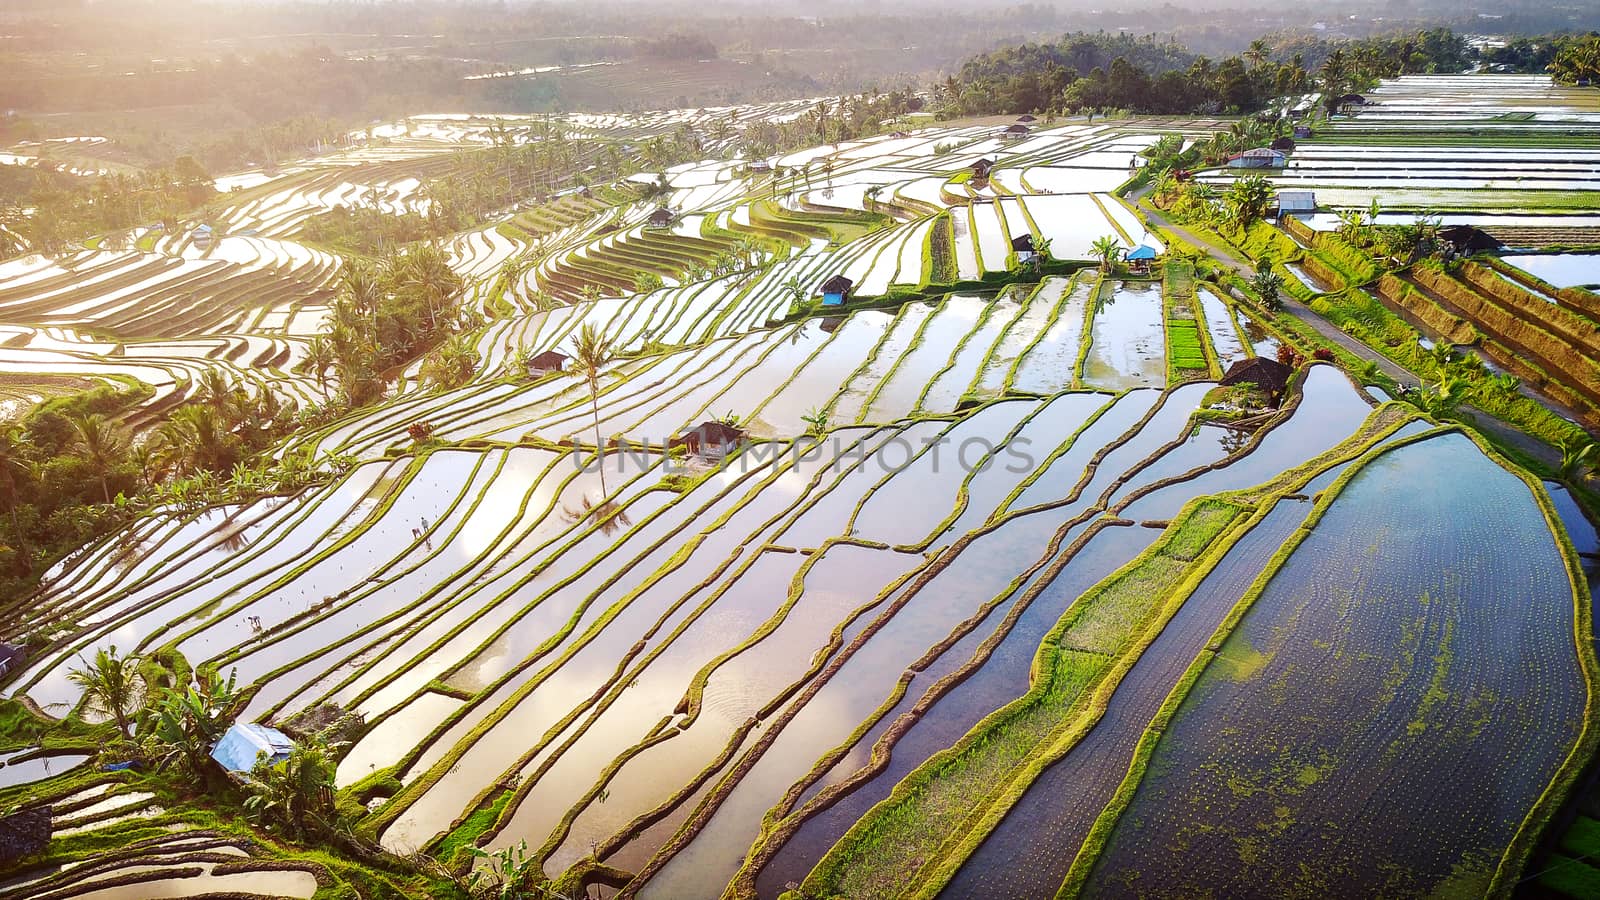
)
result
[(1143, 251), (239, 748)]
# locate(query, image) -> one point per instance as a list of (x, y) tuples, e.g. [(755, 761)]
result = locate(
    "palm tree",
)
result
[(197, 438), (319, 358), (112, 683), (1106, 249), (452, 364), (214, 391), (591, 351), (1258, 52), (100, 443), (1166, 184)]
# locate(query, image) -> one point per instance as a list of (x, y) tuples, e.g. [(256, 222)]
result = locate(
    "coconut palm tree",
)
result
[(591, 351), (198, 439), (319, 358), (100, 443), (112, 683), (1258, 52), (1106, 249), (1166, 184)]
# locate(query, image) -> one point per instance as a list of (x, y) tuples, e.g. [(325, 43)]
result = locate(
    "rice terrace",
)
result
[(462, 450)]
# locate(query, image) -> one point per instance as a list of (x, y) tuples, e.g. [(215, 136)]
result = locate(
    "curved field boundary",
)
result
[(1538, 817), (1084, 711)]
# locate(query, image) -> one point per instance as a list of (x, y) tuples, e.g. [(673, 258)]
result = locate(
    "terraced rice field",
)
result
[(977, 606), (1477, 147)]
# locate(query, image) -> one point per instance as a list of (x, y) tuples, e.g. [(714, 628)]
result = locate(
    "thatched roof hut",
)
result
[(1267, 375), (836, 290), (1467, 240)]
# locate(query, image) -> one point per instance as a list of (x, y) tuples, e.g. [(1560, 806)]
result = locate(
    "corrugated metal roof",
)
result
[(243, 744), (1297, 201)]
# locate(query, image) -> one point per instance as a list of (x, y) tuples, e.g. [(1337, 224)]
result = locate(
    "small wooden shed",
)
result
[(710, 439), (836, 290), (246, 743), (547, 362), (1022, 246)]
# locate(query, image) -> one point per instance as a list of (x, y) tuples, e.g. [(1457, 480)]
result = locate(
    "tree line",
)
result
[(1084, 72)]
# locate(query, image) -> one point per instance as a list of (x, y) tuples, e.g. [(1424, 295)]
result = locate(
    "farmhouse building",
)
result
[(661, 218), (980, 169), (1014, 132), (1259, 158)]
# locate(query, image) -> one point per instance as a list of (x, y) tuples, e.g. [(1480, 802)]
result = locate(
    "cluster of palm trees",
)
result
[(66, 477), (1577, 60), (57, 210), (744, 255), (385, 315), (1402, 243), (1242, 135), (1242, 203)]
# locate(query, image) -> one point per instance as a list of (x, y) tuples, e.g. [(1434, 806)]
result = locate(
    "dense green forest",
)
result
[(1148, 75)]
